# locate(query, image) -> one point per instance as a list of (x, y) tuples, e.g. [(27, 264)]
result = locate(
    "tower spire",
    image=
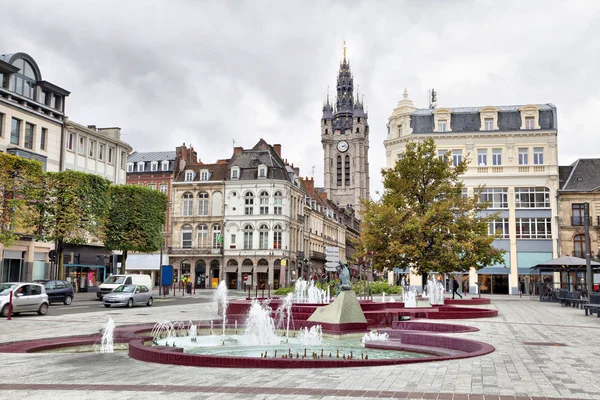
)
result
[(344, 50)]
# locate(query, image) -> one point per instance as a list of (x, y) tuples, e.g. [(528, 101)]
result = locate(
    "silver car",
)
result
[(27, 297), (128, 295)]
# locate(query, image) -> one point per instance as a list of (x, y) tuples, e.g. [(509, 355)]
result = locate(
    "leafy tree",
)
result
[(136, 220), (20, 185), (423, 221), (73, 210)]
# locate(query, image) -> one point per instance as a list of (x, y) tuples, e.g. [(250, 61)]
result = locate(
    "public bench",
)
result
[(570, 299), (593, 305)]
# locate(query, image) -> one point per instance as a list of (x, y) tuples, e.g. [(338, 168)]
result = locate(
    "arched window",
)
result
[(248, 236), (186, 237), (347, 171), (25, 80), (249, 203), (579, 246), (202, 236), (277, 235), (264, 202), (185, 267), (203, 204), (217, 239), (188, 204), (278, 201), (339, 170), (263, 237)]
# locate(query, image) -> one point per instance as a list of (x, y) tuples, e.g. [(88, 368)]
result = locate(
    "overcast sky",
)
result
[(207, 72)]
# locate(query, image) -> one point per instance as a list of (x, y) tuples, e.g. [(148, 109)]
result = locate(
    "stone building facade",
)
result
[(512, 150), (32, 114)]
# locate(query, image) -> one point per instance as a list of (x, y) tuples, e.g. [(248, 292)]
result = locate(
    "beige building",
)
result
[(579, 184), (98, 151), (32, 112), (512, 150), (196, 244)]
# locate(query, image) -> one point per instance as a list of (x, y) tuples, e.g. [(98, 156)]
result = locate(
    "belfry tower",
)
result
[(345, 140)]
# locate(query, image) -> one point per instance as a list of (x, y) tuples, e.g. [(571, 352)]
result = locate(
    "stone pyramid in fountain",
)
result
[(345, 313)]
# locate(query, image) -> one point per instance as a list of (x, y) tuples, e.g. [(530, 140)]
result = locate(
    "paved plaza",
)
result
[(543, 350)]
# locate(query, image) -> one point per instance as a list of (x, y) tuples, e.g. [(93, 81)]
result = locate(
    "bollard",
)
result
[(249, 292), (263, 292), (256, 291), (269, 288), (10, 306)]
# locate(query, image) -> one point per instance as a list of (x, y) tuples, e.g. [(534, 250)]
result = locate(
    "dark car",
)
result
[(58, 291)]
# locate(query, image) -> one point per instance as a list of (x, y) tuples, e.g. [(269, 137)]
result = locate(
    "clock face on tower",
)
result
[(342, 146)]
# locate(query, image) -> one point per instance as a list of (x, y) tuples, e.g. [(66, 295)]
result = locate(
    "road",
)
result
[(87, 302)]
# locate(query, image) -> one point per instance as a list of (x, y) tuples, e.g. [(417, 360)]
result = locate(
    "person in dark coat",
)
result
[(455, 288)]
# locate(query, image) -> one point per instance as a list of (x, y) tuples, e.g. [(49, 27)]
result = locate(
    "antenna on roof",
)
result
[(313, 171), (233, 140), (432, 99)]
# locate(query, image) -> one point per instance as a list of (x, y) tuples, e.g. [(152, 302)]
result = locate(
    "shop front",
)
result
[(86, 266), (13, 266), (148, 264), (277, 274), (214, 274), (262, 274), (231, 274), (200, 274)]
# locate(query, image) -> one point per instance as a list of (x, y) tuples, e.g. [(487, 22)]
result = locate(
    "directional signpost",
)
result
[(332, 255)]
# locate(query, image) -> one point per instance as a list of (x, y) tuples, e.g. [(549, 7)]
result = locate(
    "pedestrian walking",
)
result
[(455, 288)]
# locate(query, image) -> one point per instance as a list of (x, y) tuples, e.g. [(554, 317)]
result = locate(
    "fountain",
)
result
[(106, 345), (374, 336), (260, 327), (312, 336), (284, 313), (222, 301), (436, 292), (308, 292), (409, 297)]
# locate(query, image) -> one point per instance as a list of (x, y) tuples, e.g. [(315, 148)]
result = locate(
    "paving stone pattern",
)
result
[(515, 371)]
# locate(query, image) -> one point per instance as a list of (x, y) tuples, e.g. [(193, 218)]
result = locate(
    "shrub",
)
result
[(284, 290)]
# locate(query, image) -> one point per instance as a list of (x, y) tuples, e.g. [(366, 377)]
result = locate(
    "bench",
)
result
[(562, 296), (594, 304), (570, 299)]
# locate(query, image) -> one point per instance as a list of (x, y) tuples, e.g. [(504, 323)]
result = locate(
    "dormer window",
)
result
[(489, 118), (204, 175), (189, 175), (130, 167), (154, 166), (140, 166), (165, 166), (442, 121), (262, 171), (530, 117), (235, 173)]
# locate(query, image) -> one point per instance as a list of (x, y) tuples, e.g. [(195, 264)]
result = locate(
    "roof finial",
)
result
[(327, 94), (405, 93), (344, 50), (357, 86)]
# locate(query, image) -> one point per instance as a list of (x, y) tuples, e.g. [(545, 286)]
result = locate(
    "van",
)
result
[(114, 281)]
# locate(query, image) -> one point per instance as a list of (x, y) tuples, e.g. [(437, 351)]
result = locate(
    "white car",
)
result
[(27, 297)]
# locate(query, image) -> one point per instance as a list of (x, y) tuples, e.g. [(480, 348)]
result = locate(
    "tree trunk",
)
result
[(123, 261), (60, 259)]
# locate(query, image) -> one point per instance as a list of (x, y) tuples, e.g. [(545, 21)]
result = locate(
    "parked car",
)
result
[(27, 297), (114, 281), (58, 291), (128, 295)]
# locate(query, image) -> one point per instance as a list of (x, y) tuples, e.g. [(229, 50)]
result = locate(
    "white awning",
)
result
[(144, 262)]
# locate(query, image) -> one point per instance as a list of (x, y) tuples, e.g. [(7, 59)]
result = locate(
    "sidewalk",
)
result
[(543, 351)]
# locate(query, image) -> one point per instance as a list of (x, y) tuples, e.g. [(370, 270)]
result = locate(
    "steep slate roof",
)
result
[(584, 176), (563, 174), (217, 172), (261, 154), (468, 119), (151, 156)]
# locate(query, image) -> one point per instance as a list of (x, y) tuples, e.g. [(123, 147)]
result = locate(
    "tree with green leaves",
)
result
[(73, 210), (423, 221), (20, 190), (136, 220)]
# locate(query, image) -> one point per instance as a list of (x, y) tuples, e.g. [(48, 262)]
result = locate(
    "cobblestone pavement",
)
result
[(543, 350)]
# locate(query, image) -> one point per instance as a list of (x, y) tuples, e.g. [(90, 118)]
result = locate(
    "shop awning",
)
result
[(262, 269), (247, 268), (143, 262), (231, 268)]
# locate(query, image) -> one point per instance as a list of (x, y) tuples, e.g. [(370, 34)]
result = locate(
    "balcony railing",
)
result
[(192, 250), (300, 218), (578, 220)]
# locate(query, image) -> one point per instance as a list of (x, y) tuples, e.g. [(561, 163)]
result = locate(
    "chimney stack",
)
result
[(277, 148), (238, 150)]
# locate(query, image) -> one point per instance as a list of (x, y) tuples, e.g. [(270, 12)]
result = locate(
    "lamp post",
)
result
[(370, 253)]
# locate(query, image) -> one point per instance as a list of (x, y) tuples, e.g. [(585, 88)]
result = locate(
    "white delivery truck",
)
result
[(114, 281)]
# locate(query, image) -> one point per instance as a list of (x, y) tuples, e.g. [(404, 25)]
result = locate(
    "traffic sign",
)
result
[(332, 254), (331, 266)]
